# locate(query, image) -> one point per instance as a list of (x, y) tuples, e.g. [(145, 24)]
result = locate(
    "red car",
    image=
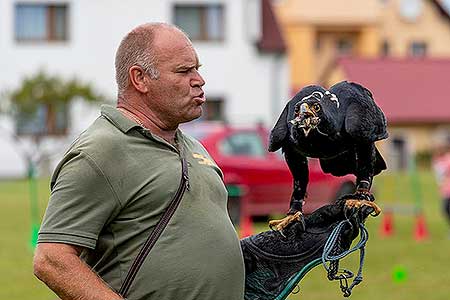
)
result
[(259, 183)]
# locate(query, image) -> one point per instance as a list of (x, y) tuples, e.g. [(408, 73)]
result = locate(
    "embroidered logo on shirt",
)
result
[(203, 160)]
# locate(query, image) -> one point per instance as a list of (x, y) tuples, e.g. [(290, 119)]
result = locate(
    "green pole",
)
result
[(397, 188), (33, 204), (415, 182)]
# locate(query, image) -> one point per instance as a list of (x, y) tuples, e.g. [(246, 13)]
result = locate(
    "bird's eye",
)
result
[(316, 107)]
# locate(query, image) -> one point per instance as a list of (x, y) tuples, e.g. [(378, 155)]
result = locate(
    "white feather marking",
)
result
[(312, 95), (335, 99)]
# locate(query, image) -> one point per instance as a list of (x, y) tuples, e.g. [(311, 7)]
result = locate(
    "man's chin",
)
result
[(193, 116)]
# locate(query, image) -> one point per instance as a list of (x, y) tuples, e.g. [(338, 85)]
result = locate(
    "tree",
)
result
[(49, 94), (42, 93), (38, 106)]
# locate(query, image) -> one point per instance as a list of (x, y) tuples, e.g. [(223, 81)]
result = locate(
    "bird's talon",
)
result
[(354, 203), (375, 213), (283, 223), (364, 195)]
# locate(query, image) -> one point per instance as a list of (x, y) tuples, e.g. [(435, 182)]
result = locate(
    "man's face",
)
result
[(177, 95)]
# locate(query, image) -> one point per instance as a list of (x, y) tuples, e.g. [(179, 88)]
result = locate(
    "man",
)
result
[(118, 177)]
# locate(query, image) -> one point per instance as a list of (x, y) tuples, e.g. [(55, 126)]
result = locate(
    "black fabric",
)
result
[(272, 259)]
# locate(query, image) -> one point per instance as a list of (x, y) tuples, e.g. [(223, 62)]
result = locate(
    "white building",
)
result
[(238, 42)]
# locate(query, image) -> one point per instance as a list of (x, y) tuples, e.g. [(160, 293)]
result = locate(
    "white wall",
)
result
[(12, 163), (232, 69)]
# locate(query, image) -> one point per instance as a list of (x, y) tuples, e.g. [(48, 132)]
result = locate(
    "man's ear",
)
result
[(138, 79)]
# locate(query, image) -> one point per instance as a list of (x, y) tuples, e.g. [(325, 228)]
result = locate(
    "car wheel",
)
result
[(345, 189), (234, 209)]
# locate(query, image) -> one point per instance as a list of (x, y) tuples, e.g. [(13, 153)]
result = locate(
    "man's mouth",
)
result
[(200, 98)]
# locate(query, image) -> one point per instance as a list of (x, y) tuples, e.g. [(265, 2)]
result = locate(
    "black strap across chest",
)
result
[(157, 231)]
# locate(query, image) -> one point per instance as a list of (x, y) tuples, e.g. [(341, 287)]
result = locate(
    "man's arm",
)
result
[(61, 269)]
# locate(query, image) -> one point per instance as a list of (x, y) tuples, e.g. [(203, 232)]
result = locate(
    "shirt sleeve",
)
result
[(82, 202)]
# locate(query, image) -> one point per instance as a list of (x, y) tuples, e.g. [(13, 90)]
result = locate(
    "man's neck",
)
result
[(147, 120)]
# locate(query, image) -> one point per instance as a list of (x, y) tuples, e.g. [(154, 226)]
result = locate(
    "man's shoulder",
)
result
[(189, 139), (193, 144), (100, 141)]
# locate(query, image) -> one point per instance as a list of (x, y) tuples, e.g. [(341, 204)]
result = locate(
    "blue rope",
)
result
[(327, 257), (331, 242)]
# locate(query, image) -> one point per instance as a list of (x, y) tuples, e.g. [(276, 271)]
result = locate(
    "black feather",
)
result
[(343, 139)]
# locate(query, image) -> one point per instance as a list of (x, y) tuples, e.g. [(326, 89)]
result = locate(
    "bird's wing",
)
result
[(280, 131), (359, 122), (364, 120), (365, 123)]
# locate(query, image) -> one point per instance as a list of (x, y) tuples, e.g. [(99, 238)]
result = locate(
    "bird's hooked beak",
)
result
[(305, 118)]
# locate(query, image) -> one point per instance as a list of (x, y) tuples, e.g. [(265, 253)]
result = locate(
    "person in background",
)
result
[(118, 177), (441, 166)]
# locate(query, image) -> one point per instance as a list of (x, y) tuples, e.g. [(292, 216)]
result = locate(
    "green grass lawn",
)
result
[(427, 263), (16, 252)]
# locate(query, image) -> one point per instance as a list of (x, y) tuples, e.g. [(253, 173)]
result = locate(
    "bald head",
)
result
[(139, 47)]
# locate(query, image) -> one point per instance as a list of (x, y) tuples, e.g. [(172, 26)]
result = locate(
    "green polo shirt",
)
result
[(110, 190)]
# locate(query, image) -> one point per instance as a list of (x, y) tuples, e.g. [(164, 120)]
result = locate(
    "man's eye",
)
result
[(185, 71)]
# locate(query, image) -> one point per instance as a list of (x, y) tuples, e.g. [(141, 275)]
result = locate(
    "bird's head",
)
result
[(309, 112)]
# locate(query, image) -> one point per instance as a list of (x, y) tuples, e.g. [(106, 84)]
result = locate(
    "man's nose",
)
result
[(197, 79)]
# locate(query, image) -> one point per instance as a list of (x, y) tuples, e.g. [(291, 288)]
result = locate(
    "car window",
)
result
[(244, 143), (200, 130)]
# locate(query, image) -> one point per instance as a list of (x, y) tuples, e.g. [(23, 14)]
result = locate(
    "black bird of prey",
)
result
[(339, 127)]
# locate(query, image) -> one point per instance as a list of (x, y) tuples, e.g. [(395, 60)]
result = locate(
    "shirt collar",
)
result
[(117, 118), (124, 124)]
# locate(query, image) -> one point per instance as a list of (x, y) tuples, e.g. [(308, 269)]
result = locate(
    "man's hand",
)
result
[(61, 269)]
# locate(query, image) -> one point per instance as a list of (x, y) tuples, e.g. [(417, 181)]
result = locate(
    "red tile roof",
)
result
[(408, 90), (271, 38)]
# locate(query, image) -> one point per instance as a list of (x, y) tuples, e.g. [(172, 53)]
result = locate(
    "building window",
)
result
[(399, 153), (410, 10), (213, 110), (318, 43), (385, 48), (201, 22), (41, 22), (344, 46), (418, 49), (48, 119)]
